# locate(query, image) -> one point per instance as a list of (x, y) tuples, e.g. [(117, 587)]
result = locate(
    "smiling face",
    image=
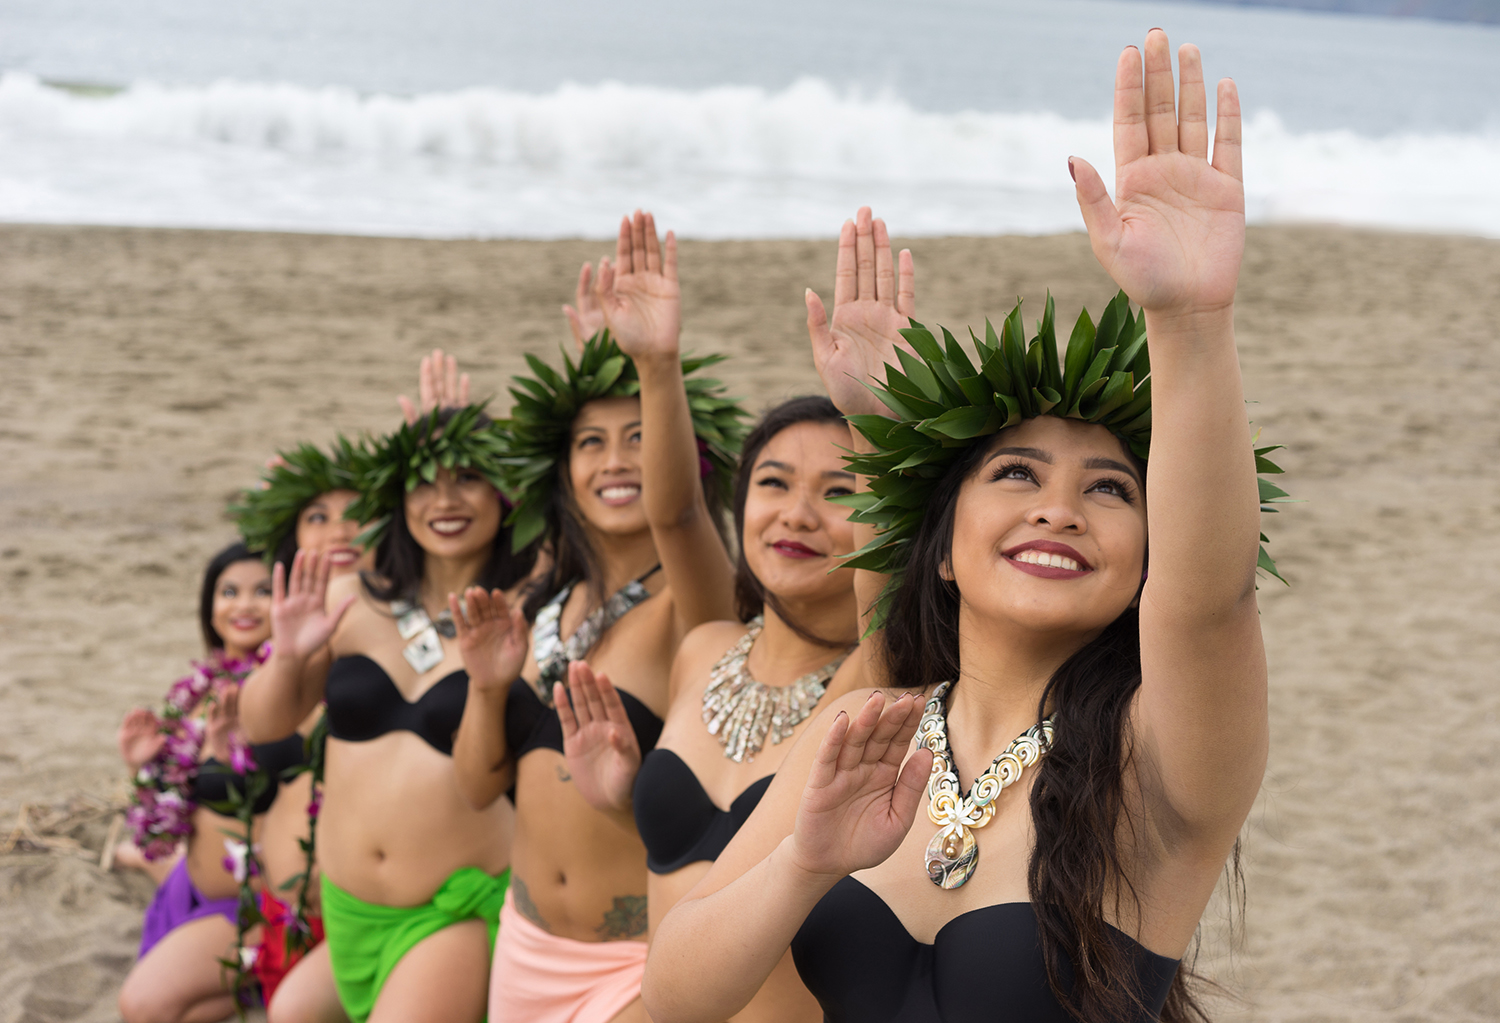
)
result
[(457, 515), (242, 606), (322, 528), (1049, 531), (792, 532), (604, 465)]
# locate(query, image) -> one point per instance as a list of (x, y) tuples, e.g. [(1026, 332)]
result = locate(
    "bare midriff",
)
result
[(206, 852), (583, 874), (393, 826), (281, 857)]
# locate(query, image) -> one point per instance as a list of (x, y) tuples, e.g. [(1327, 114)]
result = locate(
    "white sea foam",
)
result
[(720, 162)]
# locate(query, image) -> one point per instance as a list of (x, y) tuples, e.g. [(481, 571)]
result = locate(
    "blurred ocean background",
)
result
[(457, 118)]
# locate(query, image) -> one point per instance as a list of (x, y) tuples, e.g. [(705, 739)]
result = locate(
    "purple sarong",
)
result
[(177, 901)]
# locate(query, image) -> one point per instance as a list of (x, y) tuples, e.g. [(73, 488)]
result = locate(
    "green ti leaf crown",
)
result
[(388, 468), (943, 401), (267, 515), (541, 423)]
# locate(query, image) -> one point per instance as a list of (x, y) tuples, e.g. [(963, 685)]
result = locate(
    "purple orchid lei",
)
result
[(161, 810)]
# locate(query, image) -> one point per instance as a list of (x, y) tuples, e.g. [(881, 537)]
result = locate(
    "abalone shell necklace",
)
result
[(953, 852), (743, 713), (553, 653)]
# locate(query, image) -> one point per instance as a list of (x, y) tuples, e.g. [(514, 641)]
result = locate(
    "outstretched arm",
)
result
[(874, 297), (598, 742), (493, 639), (278, 695), (643, 307), (1172, 238), (841, 802)]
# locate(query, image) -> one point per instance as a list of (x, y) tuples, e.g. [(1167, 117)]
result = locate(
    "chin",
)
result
[(626, 521)]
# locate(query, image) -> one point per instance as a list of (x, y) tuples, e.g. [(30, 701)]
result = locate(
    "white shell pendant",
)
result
[(952, 855), (425, 652)]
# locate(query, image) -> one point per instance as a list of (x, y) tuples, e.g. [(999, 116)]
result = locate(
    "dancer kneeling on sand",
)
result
[(620, 464), (742, 690), (299, 505), (182, 759), (1116, 725), (412, 877)]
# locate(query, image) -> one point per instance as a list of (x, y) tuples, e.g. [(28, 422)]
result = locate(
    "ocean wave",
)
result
[(719, 162)]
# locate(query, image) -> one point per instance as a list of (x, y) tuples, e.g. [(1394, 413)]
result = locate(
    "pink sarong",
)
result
[(540, 978)]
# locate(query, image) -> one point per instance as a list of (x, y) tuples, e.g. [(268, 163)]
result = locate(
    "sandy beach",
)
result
[(145, 375)]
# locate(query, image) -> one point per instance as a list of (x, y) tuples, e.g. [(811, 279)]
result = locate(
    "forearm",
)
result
[(1201, 485), (481, 759), (672, 491), (279, 694), (710, 955)]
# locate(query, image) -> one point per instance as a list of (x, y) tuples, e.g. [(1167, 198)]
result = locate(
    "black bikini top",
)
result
[(861, 963), (531, 724), (275, 758), (678, 823), (364, 704)]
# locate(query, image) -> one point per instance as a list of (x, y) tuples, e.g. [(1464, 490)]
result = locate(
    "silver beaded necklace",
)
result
[(742, 713)]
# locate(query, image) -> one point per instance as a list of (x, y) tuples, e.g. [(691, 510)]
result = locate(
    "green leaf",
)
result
[(964, 423), (1051, 368)]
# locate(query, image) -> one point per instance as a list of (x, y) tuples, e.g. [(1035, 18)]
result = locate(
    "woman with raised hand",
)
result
[(412, 877), (1089, 741), (621, 464), (743, 689), (299, 506), (177, 758)]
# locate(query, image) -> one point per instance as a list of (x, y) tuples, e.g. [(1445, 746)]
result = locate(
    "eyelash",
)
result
[(1125, 487), (772, 481)]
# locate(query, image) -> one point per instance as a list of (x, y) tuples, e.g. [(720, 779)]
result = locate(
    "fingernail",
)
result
[(1071, 172), (1158, 28)]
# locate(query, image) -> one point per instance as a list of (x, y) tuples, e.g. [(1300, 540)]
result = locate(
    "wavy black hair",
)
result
[(233, 554), (750, 596), (1078, 803)]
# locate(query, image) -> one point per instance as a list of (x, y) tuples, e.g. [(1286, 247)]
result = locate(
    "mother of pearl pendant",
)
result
[(951, 856)]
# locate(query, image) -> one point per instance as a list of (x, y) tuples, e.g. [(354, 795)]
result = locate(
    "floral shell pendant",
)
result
[(952, 856)]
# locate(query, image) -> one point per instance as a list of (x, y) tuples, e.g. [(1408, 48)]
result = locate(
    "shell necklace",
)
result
[(742, 713), (953, 852), (553, 653)]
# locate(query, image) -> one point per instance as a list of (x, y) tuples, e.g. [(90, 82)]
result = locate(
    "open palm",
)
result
[(638, 293), (860, 801), (598, 742), (1173, 236), (140, 737), (492, 638), (872, 302), (301, 623)]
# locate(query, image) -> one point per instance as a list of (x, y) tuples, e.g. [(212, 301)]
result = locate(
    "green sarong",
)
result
[(366, 941)]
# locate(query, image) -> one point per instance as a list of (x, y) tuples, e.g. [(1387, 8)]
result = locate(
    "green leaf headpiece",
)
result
[(541, 423), (267, 515), (395, 464), (943, 401)]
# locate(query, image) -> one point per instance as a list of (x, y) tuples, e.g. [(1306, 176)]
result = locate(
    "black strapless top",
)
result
[(364, 704), (678, 823), (531, 724), (862, 964), (275, 758)]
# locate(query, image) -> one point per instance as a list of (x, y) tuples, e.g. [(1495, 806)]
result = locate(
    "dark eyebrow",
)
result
[(771, 463), (1110, 463), (1036, 453)]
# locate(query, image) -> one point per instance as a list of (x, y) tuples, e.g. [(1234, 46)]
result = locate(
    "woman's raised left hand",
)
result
[(598, 742), (439, 385), (638, 292), (1175, 232)]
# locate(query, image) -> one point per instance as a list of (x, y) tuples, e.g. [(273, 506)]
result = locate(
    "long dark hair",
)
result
[(234, 553), (567, 539), (400, 560), (1077, 799), (750, 596)]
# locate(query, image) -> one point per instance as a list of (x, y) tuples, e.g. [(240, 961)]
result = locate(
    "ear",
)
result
[(945, 570)]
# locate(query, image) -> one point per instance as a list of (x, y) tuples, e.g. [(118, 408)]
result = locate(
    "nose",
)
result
[(1058, 508), (800, 513), (614, 458)]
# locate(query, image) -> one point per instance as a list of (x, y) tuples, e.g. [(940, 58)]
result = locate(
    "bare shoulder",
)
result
[(699, 651)]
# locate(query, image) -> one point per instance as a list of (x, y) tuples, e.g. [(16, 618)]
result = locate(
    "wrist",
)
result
[(808, 882), (664, 360), (1190, 321)]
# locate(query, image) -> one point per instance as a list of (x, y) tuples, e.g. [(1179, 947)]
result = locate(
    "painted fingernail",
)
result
[(1071, 172)]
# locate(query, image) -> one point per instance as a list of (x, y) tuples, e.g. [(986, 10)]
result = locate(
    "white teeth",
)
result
[(448, 527), (1036, 557), (619, 493)]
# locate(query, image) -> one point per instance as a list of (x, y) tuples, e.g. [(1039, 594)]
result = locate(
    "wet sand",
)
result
[(145, 375)]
